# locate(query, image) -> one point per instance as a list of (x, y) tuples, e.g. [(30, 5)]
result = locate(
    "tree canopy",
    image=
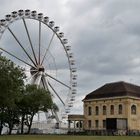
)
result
[(11, 86), (34, 99), (18, 102)]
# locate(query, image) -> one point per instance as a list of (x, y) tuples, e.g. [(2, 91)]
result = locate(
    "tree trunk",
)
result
[(22, 124), (1, 127), (10, 121), (10, 126), (30, 124), (1, 120), (10, 130)]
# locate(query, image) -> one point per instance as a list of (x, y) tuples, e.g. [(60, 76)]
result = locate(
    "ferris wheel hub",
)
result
[(40, 68)]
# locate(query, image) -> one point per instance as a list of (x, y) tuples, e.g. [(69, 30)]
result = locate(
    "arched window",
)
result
[(104, 110), (89, 110), (120, 109), (104, 123), (133, 109), (89, 123), (97, 110), (96, 123), (112, 109)]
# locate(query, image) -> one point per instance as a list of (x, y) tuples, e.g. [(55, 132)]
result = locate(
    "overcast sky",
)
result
[(104, 35)]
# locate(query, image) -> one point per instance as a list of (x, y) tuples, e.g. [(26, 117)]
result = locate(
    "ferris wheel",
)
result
[(33, 42)]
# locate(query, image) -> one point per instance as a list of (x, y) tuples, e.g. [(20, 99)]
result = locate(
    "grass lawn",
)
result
[(65, 137)]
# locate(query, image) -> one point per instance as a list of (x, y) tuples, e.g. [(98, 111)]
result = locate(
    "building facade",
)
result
[(114, 106)]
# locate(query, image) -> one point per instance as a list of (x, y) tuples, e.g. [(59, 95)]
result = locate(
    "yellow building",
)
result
[(114, 107)]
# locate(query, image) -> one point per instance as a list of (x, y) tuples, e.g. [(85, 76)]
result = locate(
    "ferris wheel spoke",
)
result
[(39, 41), (31, 70), (21, 46), (58, 81), (16, 57), (44, 82), (56, 93), (28, 79), (47, 49), (29, 40)]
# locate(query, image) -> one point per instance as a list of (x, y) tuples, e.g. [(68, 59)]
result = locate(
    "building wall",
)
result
[(134, 119), (95, 122)]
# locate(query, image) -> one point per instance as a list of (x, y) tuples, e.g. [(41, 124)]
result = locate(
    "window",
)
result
[(89, 110), (96, 123), (89, 123), (133, 109), (97, 110), (104, 110), (112, 109), (104, 123), (120, 110)]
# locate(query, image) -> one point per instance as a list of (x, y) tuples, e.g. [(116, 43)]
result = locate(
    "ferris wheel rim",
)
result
[(16, 16)]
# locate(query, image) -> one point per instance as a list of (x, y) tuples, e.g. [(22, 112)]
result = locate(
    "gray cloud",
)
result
[(104, 36)]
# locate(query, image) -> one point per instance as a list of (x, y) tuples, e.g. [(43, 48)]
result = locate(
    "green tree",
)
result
[(12, 118), (11, 85), (34, 99)]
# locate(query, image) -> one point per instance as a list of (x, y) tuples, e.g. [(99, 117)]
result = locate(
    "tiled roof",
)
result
[(115, 89)]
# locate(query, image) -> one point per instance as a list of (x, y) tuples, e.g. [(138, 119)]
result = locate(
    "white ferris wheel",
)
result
[(34, 43)]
